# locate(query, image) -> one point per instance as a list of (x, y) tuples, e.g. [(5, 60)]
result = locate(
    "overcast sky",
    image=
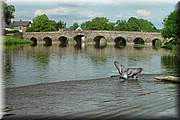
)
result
[(79, 11)]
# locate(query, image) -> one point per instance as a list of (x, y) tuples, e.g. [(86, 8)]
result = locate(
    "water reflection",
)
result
[(34, 41), (8, 69), (31, 65), (41, 60), (97, 56), (169, 63)]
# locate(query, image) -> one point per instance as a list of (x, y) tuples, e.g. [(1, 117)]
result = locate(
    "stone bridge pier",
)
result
[(94, 37)]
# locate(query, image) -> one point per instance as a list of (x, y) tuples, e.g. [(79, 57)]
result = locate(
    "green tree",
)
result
[(121, 25), (74, 26), (41, 23), (146, 26), (170, 26), (170, 30), (132, 24), (135, 24), (110, 26), (8, 12), (60, 25), (98, 23), (86, 25)]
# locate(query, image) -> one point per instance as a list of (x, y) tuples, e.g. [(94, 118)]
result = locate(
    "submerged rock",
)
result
[(168, 78)]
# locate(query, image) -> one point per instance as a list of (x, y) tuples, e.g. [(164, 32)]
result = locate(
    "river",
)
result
[(28, 65)]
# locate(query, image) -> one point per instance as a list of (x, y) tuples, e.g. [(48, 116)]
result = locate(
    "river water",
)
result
[(27, 65)]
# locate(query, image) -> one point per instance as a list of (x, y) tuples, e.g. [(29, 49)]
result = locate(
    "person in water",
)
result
[(127, 73)]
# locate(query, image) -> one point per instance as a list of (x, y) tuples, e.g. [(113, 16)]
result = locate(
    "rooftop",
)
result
[(20, 23)]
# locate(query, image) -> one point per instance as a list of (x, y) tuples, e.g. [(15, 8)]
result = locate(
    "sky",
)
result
[(80, 11)]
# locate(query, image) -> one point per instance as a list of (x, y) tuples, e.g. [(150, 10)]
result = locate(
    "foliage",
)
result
[(74, 26), (157, 44), (133, 24), (8, 12), (42, 23), (170, 26), (170, 31), (98, 23), (170, 45), (9, 40), (121, 25), (60, 25)]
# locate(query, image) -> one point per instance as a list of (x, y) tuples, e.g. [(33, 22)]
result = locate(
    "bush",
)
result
[(8, 40)]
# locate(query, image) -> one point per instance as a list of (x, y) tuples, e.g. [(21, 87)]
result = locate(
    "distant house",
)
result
[(79, 29), (20, 25)]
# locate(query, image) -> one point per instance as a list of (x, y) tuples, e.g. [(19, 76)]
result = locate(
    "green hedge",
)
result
[(8, 40)]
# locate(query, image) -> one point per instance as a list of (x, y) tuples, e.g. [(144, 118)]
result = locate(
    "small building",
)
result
[(79, 29), (20, 25)]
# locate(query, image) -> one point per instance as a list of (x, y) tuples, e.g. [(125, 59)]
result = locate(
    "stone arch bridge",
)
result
[(80, 38)]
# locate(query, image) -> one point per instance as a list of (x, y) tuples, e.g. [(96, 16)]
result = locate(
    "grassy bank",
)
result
[(170, 45), (11, 40)]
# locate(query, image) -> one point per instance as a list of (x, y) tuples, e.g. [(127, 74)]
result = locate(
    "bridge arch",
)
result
[(100, 41), (120, 42), (156, 42), (48, 41), (78, 39), (63, 41), (34, 40), (139, 42)]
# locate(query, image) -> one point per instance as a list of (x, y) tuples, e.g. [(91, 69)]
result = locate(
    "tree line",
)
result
[(132, 24), (42, 23)]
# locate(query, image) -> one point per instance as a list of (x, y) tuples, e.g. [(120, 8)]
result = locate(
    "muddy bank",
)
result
[(105, 97)]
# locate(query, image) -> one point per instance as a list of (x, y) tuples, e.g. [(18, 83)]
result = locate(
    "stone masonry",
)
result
[(90, 35)]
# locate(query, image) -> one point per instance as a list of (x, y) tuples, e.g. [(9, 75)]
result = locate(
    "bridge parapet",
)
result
[(90, 35)]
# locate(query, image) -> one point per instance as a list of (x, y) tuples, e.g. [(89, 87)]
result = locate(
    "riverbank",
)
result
[(12, 40), (97, 98), (171, 45)]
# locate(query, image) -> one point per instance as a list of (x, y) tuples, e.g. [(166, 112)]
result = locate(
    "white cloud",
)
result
[(70, 10), (115, 2), (90, 13), (124, 15), (67, 11), (56, 11), (92, 1), (143, 13)]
